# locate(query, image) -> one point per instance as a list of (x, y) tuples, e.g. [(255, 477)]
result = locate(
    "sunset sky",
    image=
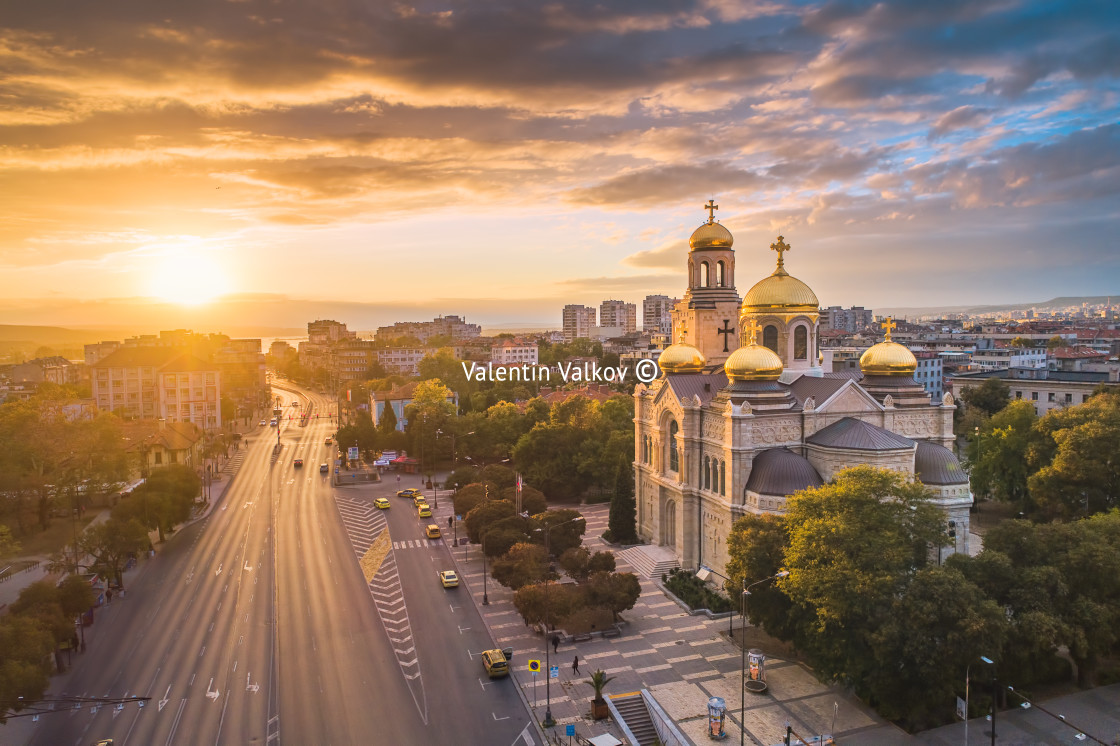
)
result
[(500, 159)]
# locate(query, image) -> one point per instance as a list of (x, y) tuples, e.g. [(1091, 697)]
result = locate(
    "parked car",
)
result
[(424, 511), (496, 662), (432, 531), (449, 579)]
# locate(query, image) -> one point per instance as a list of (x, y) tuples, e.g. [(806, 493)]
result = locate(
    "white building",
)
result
[(154, 382), (510, 352), (1002, 358), (403, 360), (579, 321)]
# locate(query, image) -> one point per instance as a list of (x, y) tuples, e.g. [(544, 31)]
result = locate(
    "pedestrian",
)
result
[(555, 644), (575, 665), (108, 597), (450, 520)]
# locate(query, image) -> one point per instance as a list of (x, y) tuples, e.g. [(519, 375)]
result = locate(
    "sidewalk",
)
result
[(681, 659)]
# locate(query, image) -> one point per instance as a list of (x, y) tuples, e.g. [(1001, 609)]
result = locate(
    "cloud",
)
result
[(666, 184), (961, 117)]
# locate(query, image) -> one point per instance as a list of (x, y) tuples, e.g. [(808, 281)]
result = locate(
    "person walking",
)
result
[(555, 644), (575, 665)]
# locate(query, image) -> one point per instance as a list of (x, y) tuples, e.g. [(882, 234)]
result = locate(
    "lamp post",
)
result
[(482, 543), (743, 669), (967, 680), (702, 574), (548, 721)]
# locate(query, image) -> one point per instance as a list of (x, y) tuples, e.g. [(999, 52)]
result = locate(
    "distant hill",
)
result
[(1053, 304), (54, 336)]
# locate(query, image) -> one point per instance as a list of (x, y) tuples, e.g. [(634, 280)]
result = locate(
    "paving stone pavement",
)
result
[(683, 660)]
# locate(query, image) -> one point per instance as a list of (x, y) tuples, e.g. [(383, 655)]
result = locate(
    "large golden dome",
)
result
[(753, 363), (681, 358), (710, 235), (780, 291), (888, 358)]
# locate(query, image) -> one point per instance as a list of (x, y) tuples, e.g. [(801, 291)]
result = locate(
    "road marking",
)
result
[(495, 716), (192, 680), (461, 631), (211, 627), (219, 570), (524, 736), (200, 652), (163, 702), (213, 694), (175, 722)]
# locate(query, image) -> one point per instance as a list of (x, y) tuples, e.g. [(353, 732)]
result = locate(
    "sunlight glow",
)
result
[(188, 276)]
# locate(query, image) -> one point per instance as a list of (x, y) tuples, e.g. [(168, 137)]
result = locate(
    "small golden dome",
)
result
[(780, 291), (681, 358), (888, 359), (710, 235), (753, 363)]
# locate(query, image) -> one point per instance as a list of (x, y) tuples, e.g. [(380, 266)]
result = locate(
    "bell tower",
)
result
[(710, 308)]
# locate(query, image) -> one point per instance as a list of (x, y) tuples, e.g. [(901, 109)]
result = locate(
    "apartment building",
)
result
[(578, 321), (454, 327), (657, 313), (511, 352), (617, 313)]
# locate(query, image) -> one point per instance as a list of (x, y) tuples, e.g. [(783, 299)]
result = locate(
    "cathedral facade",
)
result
[(744, 414)]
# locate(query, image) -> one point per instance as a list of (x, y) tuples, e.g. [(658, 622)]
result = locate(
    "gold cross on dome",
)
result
[(888, 325), (752, 329), (781, 247), (682, 331), (711, 207)]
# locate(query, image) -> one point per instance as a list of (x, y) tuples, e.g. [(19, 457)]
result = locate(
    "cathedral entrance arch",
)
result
[(668, 536)]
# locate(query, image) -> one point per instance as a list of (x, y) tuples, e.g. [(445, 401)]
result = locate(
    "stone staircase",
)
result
[(635, 716), (649, 562)]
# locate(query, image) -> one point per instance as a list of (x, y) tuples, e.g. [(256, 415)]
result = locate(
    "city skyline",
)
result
[(301, 162)]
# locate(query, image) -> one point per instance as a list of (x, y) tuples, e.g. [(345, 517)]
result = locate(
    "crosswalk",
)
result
[(416, 544)]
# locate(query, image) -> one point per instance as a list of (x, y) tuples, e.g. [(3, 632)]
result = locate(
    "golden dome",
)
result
[(681, 358), (888, 358), (753, 363), (780, 291), (710, 235)]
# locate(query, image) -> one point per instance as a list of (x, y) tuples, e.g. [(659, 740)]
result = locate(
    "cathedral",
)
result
[(745, 414)]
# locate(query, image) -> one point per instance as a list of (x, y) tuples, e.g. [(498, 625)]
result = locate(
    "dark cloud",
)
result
[(959, 118), (667, 184)]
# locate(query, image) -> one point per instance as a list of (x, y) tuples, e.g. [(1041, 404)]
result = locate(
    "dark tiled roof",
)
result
[(935, 464), (687, 385), (778, 471), (818, 388), (858, 435)]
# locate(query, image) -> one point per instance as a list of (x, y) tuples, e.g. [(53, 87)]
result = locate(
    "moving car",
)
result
[(410, 492), (298, 463), (323, 468), (432, 531), (262, 423), (272, 423), (449, 579), (424, 511), (327, 442), (496, 662), (382, 502)]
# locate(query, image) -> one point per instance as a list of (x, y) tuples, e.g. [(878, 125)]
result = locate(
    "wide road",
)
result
[(257, 625)]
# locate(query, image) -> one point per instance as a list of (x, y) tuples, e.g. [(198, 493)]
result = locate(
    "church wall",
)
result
[(829, 461), (702, 327)]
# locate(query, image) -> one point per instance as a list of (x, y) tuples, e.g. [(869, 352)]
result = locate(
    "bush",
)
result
[(695, 593)]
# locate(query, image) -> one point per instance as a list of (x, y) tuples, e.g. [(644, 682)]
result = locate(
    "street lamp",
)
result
[(482, 542), (548, 721), (987, 660)]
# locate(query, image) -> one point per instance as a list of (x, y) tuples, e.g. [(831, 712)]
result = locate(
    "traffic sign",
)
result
[(535, 666), (352, 453), (570, 729), (554, 672)]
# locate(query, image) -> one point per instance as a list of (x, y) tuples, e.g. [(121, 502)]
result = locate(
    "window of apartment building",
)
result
[(1050, 396), (1084, 398), (209, 379), (184, 393), (158, 458), (1018, 394), (1034, 396), (169, 381), (1069, 398)]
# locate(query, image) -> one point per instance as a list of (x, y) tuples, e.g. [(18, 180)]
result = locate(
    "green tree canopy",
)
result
[(989, 397), (521, 565), (622, 521), (1001, 454)]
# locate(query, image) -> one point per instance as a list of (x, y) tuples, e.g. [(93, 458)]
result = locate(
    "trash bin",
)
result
[(717, 711)]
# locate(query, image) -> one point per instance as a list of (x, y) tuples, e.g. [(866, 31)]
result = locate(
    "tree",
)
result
[(75, 595), (561, 529), (41, 601), (111, 544), (549, 603), (8, 545), (1084, 476), (521, 565), (360, 432), (481, 518), (430, 412), (388, 422), (498, 540), (615, 591), (164, 500), (468, 498), (25, 650), (1001, 454), (579, 563), (853, 546), (756, 548), (989, 397), (532, 500), (622, 520), (1054, 342)]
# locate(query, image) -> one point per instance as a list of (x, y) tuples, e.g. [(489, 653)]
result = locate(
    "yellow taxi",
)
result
[(424, 511), (410, 492), (419, 500), (382, 503), (432, 531), (496, 662), (449, 579)]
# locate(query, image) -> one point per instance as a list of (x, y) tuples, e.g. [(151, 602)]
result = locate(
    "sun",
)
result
[(188, 277)]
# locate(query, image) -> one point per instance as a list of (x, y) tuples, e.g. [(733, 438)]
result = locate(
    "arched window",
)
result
[(703, 274), (707, 474), (800, 343), (720, 280), (722, 478), (674, 456), (770, 337)]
